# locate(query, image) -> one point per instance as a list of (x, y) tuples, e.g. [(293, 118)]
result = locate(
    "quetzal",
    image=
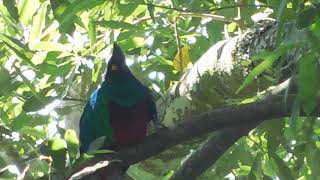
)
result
[(120, 110)]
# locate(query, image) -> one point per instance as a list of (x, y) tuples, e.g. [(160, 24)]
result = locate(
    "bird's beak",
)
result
[(114, 67)]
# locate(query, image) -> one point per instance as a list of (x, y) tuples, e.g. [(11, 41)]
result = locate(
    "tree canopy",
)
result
[(217, 68)]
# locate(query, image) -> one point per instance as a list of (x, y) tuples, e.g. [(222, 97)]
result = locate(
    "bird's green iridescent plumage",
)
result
[(125, 91), (119, 87)]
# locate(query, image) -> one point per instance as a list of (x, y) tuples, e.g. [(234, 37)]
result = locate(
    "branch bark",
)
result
[(228, 117), (212, 150)]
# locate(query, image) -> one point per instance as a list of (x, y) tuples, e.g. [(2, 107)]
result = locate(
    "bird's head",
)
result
[(117, 60), (117, 63)]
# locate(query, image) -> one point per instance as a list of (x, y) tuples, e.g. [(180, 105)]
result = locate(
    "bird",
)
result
[(118, 112)]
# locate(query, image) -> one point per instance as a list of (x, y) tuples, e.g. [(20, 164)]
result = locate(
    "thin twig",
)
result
[(212, 16), (73, 99), (178, 41), (211, 10)]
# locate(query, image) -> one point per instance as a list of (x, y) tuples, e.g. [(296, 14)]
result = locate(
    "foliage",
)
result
[(53, 54)]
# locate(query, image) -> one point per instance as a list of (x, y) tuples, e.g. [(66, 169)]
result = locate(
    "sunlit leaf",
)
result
[(27, 9), (232, 27), (38, 22), (51, 46), (32, 131), (131, 43), (181, 64), (92, 32), (72, 141), (20, 49)]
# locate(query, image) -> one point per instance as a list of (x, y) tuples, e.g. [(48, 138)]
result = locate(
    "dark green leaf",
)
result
[(313, 159), (69, 13), (12, 9), (35, 103), (284, 171), (294, 116), (127, 9), (118, 25), (307, 16), (256, 170), (57, 150), (23, 120), (309, 84), (270, 58)]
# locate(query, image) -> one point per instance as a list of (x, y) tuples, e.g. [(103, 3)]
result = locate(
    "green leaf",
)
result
[(7, 83), (27, 9), (232, 27), (38, 22), (48, 67), (128, 8), (137, 172), (12, 9), (31, 131), (270, 58), (92, 32), (96, 69), (313, 159), (58, 7), (19, 49), (118, 25), (51, 46), (72, 144), (131, 43), (284, 172), (56, 148), (307, 16), (269, 168), (69, 13), (256, 169), (35, 103), (294, 116), (309, 84), (24, 120)]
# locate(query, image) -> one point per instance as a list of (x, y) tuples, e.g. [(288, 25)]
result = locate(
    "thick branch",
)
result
[(233, 116), (212, 150)]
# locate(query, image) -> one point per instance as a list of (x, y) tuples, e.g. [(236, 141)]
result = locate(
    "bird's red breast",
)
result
[(129, 124)]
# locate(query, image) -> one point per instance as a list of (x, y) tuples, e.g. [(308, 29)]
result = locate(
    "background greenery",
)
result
[(53, 55)]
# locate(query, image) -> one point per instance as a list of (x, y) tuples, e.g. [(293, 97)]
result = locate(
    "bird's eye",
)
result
[(114, 67)]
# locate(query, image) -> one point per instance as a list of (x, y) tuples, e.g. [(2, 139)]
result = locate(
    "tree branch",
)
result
[(228, 117), (212, 150)]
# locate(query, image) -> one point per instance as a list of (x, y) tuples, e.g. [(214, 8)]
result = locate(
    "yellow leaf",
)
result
[(178, 64)]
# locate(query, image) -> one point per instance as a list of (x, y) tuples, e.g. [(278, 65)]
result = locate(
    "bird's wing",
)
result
[(94, 122)]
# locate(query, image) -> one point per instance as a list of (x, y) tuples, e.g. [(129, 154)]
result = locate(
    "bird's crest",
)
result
[(117, 57), (117, 64)]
